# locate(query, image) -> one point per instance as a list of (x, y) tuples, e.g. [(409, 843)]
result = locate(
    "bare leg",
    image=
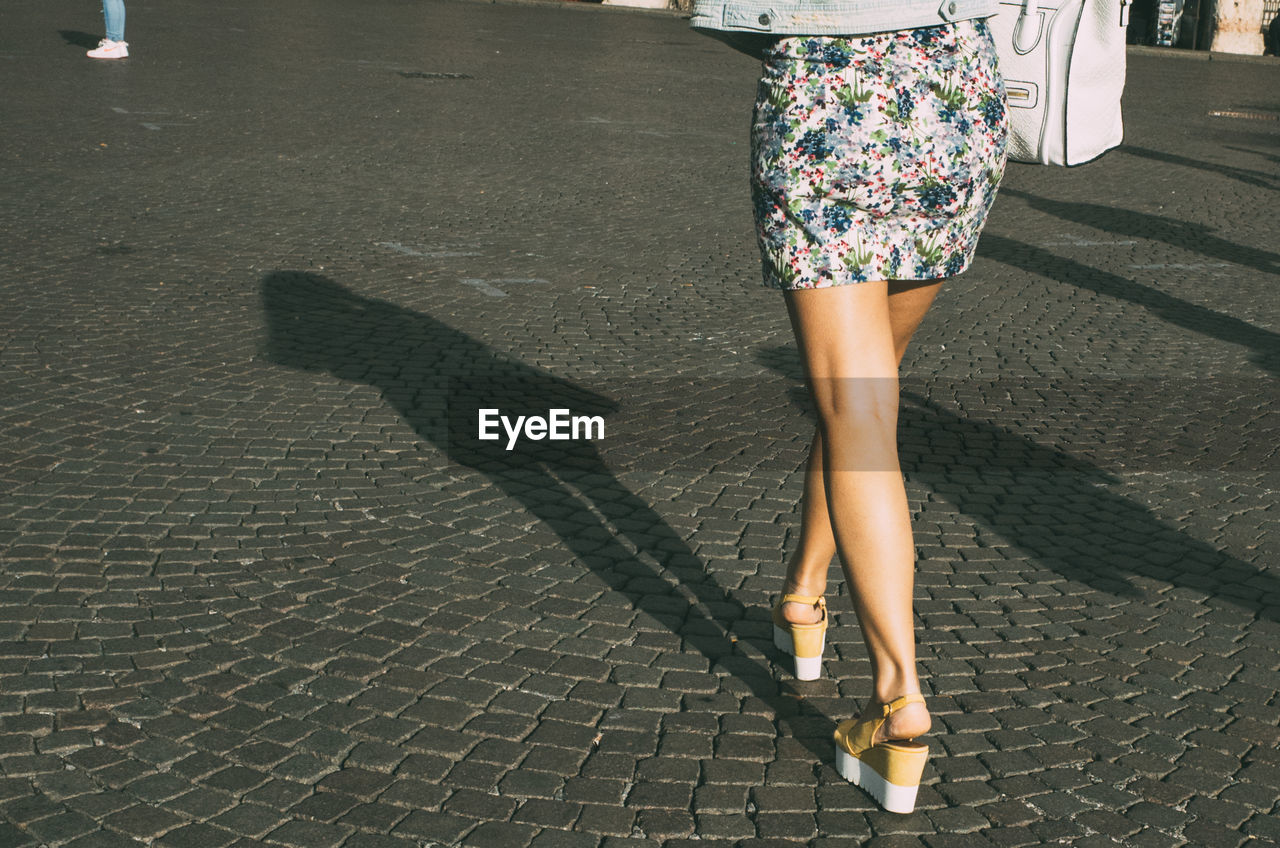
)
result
[(807, 573), (852, 343)]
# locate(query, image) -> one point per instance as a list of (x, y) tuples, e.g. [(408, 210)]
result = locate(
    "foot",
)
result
[(108, 49), (907, 723)]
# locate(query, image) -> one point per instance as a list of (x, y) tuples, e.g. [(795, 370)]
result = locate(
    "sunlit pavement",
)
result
[(260, 583)]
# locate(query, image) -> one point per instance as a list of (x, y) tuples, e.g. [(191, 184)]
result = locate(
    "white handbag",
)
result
[(1063, 63)]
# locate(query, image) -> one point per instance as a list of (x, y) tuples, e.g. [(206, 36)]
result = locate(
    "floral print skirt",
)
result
[(877, 157)]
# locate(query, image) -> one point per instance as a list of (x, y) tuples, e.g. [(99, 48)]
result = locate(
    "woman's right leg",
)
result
[(113, 17)]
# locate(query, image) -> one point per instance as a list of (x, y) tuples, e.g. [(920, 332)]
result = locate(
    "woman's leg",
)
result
[(807, 572), (852, 339), (113, 16)]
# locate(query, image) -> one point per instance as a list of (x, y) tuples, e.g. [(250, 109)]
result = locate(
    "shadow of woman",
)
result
[(1060, 513), (438, 379)]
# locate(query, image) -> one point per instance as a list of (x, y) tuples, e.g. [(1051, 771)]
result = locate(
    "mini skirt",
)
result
[(876, 157)]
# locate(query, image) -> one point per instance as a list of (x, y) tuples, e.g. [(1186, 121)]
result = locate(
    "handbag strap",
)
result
[(1029, 5), (1026, 34)]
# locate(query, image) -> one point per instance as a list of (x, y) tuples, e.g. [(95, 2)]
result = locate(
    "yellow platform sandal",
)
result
[(890, 770), (804, 642)]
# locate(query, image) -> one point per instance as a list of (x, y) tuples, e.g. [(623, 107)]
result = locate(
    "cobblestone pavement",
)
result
[(261, 585)]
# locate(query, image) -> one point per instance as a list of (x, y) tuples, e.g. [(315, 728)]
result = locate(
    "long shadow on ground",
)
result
[(437, 379), (1180, 234), (1061, 513), (1261, 179), (1264, 345)]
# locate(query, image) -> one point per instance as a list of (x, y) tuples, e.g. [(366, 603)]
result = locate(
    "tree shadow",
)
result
[(1270, 157), (1061, 514), (437, 379), (76, 38), (1264, 344), (1261, 179), (1180, 234)]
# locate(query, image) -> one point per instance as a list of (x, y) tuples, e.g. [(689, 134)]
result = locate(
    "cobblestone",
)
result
[(260, 586)]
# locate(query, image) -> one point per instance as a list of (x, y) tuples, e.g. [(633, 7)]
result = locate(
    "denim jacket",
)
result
[(832, 17)]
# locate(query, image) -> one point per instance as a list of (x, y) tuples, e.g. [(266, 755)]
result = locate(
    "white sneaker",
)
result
[(108, 49)]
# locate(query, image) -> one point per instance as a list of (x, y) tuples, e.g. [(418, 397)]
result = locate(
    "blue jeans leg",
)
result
[(113, 14)]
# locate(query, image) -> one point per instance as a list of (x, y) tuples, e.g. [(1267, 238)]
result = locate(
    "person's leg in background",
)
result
[(113, 14), (114, 45)]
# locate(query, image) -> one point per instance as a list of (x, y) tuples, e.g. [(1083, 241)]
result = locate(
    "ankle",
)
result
[(807, 589), (881, 697), (893, 675), (906, 722)]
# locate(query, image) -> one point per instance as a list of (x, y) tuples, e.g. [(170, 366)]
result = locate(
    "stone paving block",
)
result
[(498, 834), (890, 825), (322, 806), (1155, 838), (61, 827), (435, 740), (551, 838), (957, 840), (236, 779), (595, 790), (475, 775), (380, 817), (279, 794), (104, 839), (370, 840), (10, 835), (1263, 826), (665, 824), (479, 805), (198, 834), (563, 734), (250, 820), (606, 819), (1019, 836), (415, 794), (791, 825), (1209, 833), (302, 833), (434, 826), (716, 800), (531, 784), (548, 813), (360, 783)]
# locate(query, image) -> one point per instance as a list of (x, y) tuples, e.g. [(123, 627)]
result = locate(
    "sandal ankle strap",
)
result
[(899, 702), (807, 600)]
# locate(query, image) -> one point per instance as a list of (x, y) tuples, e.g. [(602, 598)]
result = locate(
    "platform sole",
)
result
[(806, 668), (891, 796)]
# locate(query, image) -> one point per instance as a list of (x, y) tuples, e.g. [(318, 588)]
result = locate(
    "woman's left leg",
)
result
[(878, 555), (846, 341), (807, 571)]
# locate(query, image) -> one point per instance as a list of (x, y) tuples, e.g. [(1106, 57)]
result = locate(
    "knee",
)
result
[(857, 404)]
